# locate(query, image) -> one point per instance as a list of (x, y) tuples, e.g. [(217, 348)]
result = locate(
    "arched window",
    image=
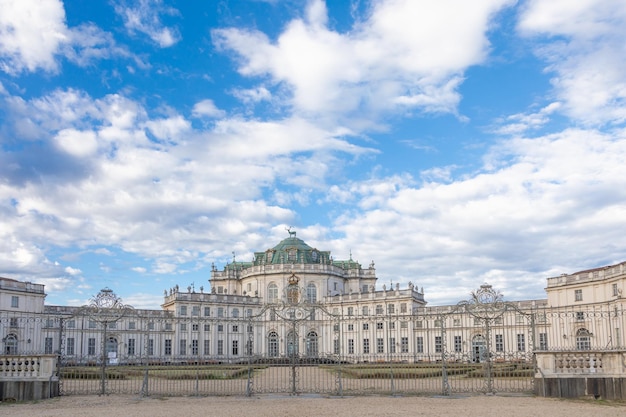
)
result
[(311, 344), (10, 344), (583, 339), (272, 293), (311, 293), (292, 343), (272, 344)]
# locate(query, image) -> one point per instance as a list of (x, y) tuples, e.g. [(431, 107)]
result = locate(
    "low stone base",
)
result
[(583, 386), (28, 390)]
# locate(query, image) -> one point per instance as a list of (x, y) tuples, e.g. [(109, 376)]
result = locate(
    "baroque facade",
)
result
[(294, 300)]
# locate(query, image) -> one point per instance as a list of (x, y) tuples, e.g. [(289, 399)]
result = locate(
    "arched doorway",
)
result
[(10, 344), (272, 344), (111, 350), (583, 339), (292, 343), (311, 344), (479, 348)]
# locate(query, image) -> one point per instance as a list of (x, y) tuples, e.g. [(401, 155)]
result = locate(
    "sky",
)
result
[(453, 143)]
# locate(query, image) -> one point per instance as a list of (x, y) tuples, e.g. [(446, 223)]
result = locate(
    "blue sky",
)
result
[(453, 143)]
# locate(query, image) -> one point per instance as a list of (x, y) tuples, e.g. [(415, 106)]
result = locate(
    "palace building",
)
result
[(293, 300)]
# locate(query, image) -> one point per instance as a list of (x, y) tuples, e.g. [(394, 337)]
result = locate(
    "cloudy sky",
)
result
[(454, 143)]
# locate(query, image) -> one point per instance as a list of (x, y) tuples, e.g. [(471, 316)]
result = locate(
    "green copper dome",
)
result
[(291, 250)]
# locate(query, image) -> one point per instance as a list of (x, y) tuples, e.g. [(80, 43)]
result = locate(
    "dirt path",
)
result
[(311, 406)]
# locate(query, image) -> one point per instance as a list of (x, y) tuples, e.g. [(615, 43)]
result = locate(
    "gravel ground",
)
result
[(277, 406)]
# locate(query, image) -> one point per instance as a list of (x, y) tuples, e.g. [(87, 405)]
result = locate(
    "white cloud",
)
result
[(77, 143), (144, 16), (34, 33), (206, 108), (115, 175), (73, 271), (405, 55), (31, 34), (539, 204), (585, 47), (521, 122)]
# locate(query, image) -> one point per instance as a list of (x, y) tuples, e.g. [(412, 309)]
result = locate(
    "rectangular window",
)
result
[(578, 295), (220, 347), (380, 345), (379, 326), (183, 310), (150, 347), (91, 324), (220, 312), (15, 301), (543, 341), (458, 344), (403, 308), (365, 311), (438, 344), (71, 324), (366, 346), (521, 342), (351, 346), (456, 322), (168, 347), (438, 323), (207, 347), (615, 290), (183, 327), (580, 315), (336, 346), (249, 347), (220, 327), (69, 346), (195, 327), (182, 347), (91, 346), (392, 345), (235, 328), (366, 326), (350, 327), (379, 309), (419, 324), (499, 343), (194, 347), (350, 311), (131, 325), (48, 346), (519, 319), (195, 310), (364, 288), (419, 344), (151, 325), (391, 308), (207, 311), (168, 326), (207, 327), (131, 347), (404, 324), (404, 345), (13, 322)]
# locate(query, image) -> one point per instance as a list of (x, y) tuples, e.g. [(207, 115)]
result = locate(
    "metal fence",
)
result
[(479, 345)]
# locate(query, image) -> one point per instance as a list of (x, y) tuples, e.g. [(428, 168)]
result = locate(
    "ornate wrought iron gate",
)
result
[(298, 346)]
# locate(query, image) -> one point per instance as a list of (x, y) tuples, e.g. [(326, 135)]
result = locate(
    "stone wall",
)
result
[(574, 374)]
